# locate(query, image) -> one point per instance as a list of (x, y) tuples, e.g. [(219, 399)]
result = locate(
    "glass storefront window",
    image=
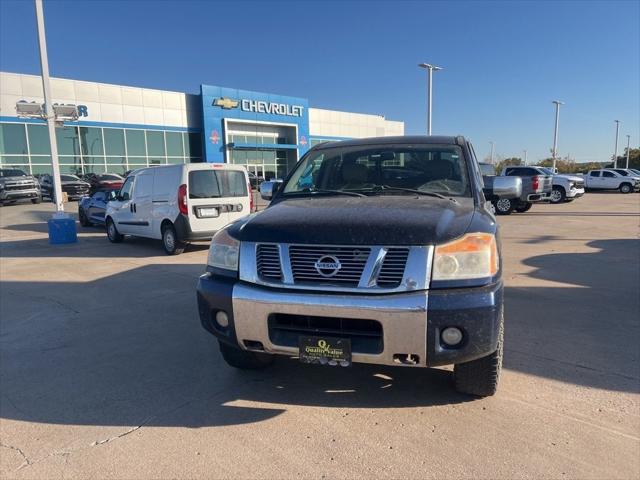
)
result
[(114, 141), (91, 168), (138, 161), (40, 169), (41, 159), (135, 143), (116, 160), (93, 160), (38, 140), (14, 159), (155, 143), (67, 140), (73, 169), (175, 160), (174, 144), (156, 161), (13, 139), (91, 140)]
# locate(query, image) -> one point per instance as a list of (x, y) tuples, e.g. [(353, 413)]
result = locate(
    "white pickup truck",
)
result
[(611, 180)]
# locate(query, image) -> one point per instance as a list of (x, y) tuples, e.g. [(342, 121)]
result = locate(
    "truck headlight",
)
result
[(224, 251), (473, 256)]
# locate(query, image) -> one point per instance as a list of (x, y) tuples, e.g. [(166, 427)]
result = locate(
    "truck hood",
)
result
[(27, 178), (574, 178), (375, 220)]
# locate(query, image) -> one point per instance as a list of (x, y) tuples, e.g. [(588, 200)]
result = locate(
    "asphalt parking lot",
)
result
[(105, 370)]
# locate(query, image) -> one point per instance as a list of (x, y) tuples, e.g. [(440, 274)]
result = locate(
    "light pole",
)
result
[(62, 228), (492, 149), (525, 157), (615, 150), (431, 69), (555, 133), (628, 141)]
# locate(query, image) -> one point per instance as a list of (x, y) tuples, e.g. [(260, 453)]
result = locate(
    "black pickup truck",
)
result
[(380, 250)]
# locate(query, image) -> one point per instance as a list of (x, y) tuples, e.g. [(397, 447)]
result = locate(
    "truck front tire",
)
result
[(558, 195), (626, 188), (480, 377), (243, 359)]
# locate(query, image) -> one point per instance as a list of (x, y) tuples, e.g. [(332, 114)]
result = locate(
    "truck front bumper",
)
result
[(9, 195), (409, 323), (575, 193)]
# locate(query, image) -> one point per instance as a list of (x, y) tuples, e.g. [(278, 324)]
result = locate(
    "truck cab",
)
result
[(381, 251)]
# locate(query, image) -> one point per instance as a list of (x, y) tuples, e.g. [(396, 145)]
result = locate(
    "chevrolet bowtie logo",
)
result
[(226, 103)]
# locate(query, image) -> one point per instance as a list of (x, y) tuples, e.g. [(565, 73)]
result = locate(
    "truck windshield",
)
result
[(11, 172), (382, 170)]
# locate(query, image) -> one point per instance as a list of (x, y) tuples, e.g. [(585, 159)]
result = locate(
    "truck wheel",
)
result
[(480, 377), (504, 206), (38, 199), (170, 242), (112, 232), (244, 360), (558, 194), (626, 188), (524, 207)]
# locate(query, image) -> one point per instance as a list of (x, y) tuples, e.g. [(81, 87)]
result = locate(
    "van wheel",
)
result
[(504, 206), (558, 195), (244, 360), (625, 188), (112, 232), (170, 242), (480, 377), (524, 207)]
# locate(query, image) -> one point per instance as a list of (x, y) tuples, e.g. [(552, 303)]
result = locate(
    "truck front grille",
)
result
[(19, 186), (392, 271), (305, 261), (365, 335), (268, 262)]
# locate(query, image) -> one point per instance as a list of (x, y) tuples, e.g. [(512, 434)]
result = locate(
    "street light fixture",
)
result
[(431, 69), (555, 133)]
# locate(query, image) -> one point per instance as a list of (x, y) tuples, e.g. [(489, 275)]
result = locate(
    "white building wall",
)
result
[(105, 103), (333, 123)]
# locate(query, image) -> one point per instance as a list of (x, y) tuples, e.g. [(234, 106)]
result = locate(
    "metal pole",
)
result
[(525, 157), (615, 151), (429, 99), (555, 133), (492, 145), (46, 87), (628, 140)]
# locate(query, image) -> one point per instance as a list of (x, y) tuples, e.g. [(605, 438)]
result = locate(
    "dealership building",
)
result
[(122, 128)]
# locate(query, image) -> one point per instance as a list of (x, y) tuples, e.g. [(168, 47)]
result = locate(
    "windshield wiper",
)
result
[(334, 192), (383, 188)]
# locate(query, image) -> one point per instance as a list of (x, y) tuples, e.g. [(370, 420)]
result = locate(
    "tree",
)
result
[(502, 163), (634, 159)]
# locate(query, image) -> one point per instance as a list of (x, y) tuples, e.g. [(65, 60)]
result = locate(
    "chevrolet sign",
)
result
[(259, 106)]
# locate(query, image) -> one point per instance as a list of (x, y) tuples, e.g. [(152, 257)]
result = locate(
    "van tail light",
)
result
[(250, 197), (536, 182), (182, 199)]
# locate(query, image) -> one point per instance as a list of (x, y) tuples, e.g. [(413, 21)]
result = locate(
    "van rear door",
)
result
[(217, 196)]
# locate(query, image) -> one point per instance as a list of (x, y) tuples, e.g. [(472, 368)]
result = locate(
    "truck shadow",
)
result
[(128, 349)]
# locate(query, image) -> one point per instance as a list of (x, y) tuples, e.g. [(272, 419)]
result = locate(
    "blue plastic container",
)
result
[(62, 230)]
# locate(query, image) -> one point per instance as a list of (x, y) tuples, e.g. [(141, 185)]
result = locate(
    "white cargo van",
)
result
[(179, 203)]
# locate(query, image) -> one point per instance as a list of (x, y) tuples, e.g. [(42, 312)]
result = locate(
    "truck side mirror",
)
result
[(268, 189), (502, 187)]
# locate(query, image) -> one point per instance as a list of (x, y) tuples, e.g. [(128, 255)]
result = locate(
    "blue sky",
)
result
[(504, 62)]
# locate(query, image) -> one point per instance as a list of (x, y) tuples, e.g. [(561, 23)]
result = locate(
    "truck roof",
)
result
[(408, 140)]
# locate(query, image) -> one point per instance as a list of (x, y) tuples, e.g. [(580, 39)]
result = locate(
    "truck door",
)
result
[(594, 180), (610, 179)]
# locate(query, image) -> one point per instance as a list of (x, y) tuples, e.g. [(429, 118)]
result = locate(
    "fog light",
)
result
[(222, 319), (451, 336)]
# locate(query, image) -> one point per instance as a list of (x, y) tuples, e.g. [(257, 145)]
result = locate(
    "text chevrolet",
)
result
[(380, 250)]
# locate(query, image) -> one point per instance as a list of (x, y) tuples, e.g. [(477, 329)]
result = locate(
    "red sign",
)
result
[(303, 140), (215, 137)]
